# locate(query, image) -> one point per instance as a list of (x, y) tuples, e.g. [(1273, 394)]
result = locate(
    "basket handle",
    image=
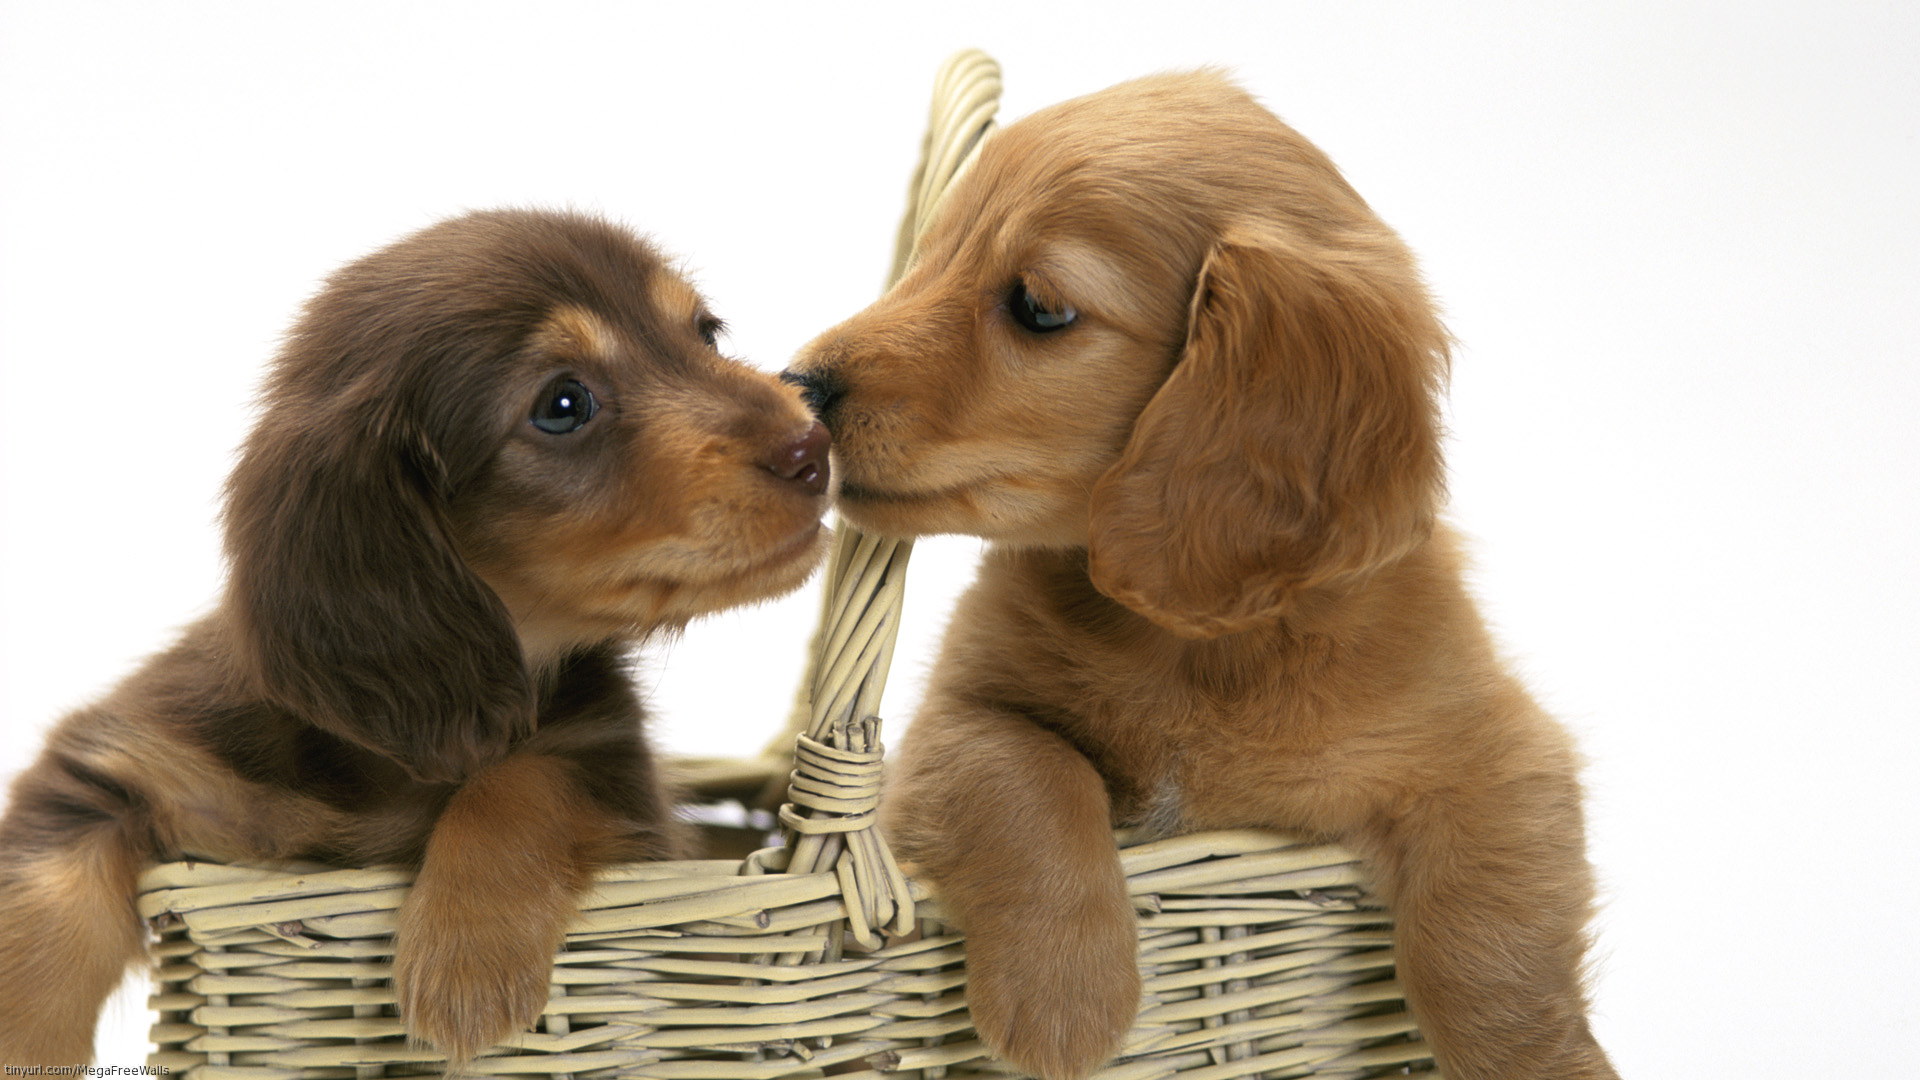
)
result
[(835, 727)]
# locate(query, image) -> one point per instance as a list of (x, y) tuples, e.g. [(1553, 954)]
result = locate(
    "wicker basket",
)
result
[(1260, 955)]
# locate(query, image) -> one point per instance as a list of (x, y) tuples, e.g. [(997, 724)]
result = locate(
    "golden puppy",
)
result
[(1157, 350), (490, 456)]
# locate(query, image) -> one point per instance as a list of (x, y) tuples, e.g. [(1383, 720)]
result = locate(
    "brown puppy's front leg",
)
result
[(490, 906), (68, 930), (1013, 826), (1490, 892)]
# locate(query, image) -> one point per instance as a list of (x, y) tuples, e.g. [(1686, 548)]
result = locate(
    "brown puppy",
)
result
[(490, 455), (1157, 349)]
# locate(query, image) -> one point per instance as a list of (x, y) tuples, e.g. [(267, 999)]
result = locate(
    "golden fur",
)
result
[(419, 656), (1217, 595)]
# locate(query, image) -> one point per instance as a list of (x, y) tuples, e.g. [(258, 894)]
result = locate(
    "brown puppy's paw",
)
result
[(464, 992), (1054, 996)]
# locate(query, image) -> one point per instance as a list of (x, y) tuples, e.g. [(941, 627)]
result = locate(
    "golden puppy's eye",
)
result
[(564, 407), (1035, 316), (711, 329)]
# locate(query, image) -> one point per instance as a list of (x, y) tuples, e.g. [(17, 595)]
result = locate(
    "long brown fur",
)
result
[(1217, 595), (418, 658)]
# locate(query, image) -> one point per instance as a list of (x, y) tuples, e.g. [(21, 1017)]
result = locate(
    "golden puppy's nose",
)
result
[(820, 389), (803, 460)]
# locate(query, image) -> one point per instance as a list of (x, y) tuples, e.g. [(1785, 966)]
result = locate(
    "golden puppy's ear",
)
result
[(353, 608), (1296, 442)]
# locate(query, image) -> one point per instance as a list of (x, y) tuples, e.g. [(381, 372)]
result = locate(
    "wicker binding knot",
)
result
[(1261, 955), (844, 785), (838, 784)]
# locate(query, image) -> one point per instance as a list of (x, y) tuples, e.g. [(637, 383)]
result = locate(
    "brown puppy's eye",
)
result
[(1035, 316), (565, 406), (711, 329)]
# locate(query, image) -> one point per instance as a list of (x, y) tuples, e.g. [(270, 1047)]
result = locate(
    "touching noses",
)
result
[(802, 461), (820, 389)]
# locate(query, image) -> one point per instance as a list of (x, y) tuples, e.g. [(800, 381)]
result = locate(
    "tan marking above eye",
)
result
[(675, 299), (570, 328)]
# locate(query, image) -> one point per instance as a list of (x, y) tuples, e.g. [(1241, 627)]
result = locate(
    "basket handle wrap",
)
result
[(834, 789)]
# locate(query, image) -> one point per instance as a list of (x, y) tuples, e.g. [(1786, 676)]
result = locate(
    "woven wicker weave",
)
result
[(1260, 954)]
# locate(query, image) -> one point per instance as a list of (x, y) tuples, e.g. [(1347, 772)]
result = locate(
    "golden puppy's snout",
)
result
[(820, 385)]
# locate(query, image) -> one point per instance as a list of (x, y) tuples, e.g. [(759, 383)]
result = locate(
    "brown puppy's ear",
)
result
[(1295, 443), (351, 605)]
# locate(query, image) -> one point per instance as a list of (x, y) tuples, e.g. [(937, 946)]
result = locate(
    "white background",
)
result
[(1677, 242)]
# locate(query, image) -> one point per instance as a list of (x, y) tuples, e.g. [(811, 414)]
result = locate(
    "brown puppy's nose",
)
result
[(803, 460)]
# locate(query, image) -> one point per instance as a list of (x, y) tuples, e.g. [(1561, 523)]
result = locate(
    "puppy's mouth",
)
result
[(858, 494), (893, 477), (798, 544), (765, 573), (869, 493)]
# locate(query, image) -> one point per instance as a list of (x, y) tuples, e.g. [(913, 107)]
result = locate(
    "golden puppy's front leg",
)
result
[(1490, 893), (1013, 826), (490, 905)]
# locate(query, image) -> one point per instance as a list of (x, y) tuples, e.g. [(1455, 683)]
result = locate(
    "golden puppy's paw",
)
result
[(463, 993), (1054, 997)]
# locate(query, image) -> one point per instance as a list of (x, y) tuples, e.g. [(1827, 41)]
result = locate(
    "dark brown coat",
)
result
[(418, 659)]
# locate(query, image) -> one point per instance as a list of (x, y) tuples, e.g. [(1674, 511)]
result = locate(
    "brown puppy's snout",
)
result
[(803, 460)]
